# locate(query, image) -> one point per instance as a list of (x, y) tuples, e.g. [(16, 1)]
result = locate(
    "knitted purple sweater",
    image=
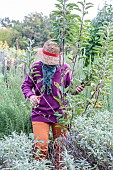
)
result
[(44, 112)]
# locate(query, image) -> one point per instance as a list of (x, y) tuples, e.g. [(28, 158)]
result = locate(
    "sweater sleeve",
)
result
[(27, 87)]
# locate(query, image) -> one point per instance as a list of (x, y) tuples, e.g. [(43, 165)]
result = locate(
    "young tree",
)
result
[(104, 16)]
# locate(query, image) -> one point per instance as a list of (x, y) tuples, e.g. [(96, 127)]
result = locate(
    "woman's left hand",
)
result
[(79, 89)]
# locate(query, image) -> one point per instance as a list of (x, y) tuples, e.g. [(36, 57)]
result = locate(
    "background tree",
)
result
[(6, 22), (35, 27), (9, 35)]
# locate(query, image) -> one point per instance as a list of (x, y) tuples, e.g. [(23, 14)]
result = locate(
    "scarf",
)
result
[(48, 73)]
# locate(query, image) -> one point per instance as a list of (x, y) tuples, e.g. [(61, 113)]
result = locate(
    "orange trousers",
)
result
[(41, 136)]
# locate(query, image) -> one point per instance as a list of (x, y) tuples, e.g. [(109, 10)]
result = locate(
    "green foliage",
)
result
[(71, 32), (9, 35), (102, 67), (35, 26), (16, 152), (5, 22), (104, 16), (91, 141), (89, 145), (98, 74), (69, 23), (14, 110), (28, 58)]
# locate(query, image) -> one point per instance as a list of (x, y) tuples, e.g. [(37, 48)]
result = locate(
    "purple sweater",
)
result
[(48, 105)]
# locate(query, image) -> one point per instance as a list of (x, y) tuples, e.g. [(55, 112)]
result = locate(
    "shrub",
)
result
[(14, 109), (16, 153), (89, 145), (91, 141)]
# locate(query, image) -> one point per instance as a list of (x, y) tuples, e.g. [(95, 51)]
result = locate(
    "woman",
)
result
[(41, 88)]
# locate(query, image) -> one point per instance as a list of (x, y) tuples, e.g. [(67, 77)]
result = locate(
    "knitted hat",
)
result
[(49, 54)]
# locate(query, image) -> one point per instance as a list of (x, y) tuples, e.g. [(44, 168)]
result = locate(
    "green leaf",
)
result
[(37, 75), (81, 3), (58, 114), (66, 90), (58, 6), (58, 100), (31, 136), (39, 80), (57, 85)]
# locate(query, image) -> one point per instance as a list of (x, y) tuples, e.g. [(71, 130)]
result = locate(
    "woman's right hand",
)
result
[(34, 100)]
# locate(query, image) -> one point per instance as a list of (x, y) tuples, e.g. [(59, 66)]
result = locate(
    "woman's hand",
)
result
[(79, 89), (34, 100)]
